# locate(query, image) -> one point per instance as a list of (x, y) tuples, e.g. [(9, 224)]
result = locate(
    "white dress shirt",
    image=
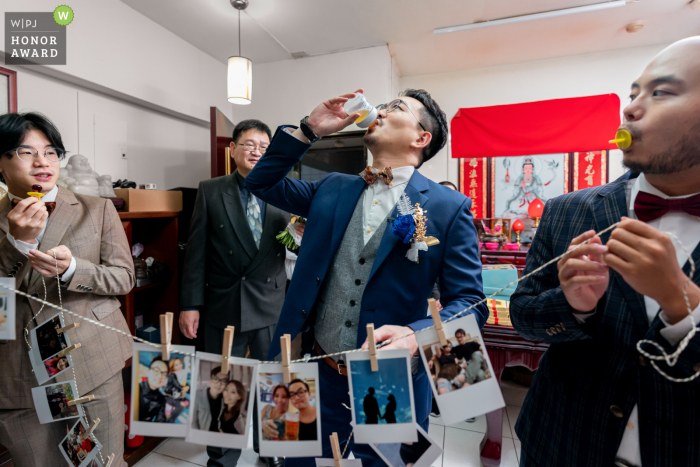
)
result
[(24, 247), (687, 229), (380, 199)]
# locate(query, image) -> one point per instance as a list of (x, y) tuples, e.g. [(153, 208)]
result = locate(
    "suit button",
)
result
[(35, 295), (696, 367), (352, 302), (549, 332), (644, 362), (278, 254), (221, 226), (616, 411), (243, 278), (230, 252), (362, 261), (358, 282), (348, 324), (19, 264), (559, 328), (268, 279), (303, 313)]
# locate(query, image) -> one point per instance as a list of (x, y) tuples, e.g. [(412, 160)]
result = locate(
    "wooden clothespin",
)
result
[(286, 349), (94, 425), (226, 351), (335, 446), (166, 334), (67, 328), (110, 459), (65, 351), (438, 322), (81, 400), (372, 347)]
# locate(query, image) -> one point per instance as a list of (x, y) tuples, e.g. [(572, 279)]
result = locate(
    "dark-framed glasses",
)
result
[(247, 147), (28, 153), (299, 393), (396, 104), (219, 380)]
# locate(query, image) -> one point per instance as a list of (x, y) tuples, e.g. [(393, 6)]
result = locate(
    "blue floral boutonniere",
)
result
[(410, 228)]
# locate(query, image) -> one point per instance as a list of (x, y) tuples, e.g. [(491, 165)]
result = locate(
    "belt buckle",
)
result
[(340, 368)]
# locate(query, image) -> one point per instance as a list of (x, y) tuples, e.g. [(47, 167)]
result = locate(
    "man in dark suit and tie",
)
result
[(596, 400), (355, 270), (234, 270)]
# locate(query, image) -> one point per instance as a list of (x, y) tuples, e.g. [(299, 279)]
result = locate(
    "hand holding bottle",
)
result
[(330, 116)]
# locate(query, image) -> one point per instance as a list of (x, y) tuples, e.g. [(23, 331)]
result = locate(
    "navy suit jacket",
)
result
[(397, 289), (592, 373)]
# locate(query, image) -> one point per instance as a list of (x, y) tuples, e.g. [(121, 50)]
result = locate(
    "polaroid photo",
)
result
[(222, 407), (324, 462), (79, 449), (51, 402), (382, 401), (46, 344), (420, 454), (290, 414), (7, 309), (460, 373), (161, 391)]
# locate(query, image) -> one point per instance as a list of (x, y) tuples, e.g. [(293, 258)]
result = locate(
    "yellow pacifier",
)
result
[(623, 139), (37, 192)]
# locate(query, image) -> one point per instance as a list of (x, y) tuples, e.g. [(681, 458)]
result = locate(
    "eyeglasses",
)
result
[(247, 147), (299, 393), (219, 380), (28, 153), (158, 372), (396, 104)]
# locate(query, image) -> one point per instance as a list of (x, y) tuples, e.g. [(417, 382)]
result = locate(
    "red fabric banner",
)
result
[(561, 125), (472, 182)]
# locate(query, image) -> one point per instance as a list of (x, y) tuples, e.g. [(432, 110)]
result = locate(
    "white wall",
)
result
[(575, 76), (285, 91), (114, 49), (161, 149)]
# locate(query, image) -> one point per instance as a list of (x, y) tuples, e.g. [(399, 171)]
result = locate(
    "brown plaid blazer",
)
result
[(90, 227)]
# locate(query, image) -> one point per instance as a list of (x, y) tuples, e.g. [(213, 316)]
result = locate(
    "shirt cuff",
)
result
[(582, 317), (21, 246), (674, 333), (68, 275)]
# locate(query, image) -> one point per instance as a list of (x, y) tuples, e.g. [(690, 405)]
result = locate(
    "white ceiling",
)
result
[(326, 26)]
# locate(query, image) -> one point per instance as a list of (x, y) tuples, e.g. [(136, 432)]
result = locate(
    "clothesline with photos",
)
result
[(166, 320), (148, 402)]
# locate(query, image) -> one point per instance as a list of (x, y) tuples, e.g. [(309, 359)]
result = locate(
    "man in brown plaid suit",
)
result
[(94, 265)]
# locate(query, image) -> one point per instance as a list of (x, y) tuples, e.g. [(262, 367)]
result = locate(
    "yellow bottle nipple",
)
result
[(623, 139)]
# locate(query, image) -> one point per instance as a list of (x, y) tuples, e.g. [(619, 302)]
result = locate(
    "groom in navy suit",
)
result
[(352, 269)]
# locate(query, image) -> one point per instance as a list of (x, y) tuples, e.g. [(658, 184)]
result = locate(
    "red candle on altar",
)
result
[(518, 227), (535, 210)]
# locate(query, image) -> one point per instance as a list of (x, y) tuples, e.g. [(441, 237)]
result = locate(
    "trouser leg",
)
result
[(29, 443), (108, 406)]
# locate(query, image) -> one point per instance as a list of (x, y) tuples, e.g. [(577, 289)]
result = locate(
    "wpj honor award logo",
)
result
[(37, 38)]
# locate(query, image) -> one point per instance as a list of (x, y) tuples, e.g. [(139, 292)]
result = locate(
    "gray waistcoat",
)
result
[(340, 297)]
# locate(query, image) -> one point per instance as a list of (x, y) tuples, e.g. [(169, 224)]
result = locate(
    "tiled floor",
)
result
[(459, 442)]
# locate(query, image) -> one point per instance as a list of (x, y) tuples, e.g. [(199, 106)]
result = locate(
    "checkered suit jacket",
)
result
[(591, 377), (91, 229)]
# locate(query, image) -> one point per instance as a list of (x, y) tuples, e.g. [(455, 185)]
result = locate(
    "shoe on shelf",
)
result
[(273, 461), (471, 420)]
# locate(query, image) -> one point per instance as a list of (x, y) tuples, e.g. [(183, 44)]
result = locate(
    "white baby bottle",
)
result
[(359, 104)]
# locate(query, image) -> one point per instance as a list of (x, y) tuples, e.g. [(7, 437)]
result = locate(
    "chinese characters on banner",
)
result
[(472, 182), (590, 169)]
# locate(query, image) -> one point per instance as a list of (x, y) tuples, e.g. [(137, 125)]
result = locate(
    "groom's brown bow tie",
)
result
[(371, 175), (50, 205)]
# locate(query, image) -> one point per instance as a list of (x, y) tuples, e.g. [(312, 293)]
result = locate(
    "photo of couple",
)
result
[(460, 372), (161, 391), (47, 343), (288, 412), (51, 402), (457, 365), (78, 448), (222, 402), (7, 309)]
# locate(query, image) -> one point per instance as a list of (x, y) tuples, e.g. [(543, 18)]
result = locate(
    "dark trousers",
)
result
[(336, 418), (259, 343)]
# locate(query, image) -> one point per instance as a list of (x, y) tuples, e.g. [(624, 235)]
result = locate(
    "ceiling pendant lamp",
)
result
[(240, 69)]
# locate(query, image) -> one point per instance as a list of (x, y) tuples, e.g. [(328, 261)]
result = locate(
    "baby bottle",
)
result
[(359, 104)]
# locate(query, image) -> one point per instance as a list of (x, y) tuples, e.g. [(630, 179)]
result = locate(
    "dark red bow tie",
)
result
[(50, 205), (648, 207)]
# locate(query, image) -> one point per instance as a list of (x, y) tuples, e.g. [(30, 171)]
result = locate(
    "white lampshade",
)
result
[(240, 80)]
